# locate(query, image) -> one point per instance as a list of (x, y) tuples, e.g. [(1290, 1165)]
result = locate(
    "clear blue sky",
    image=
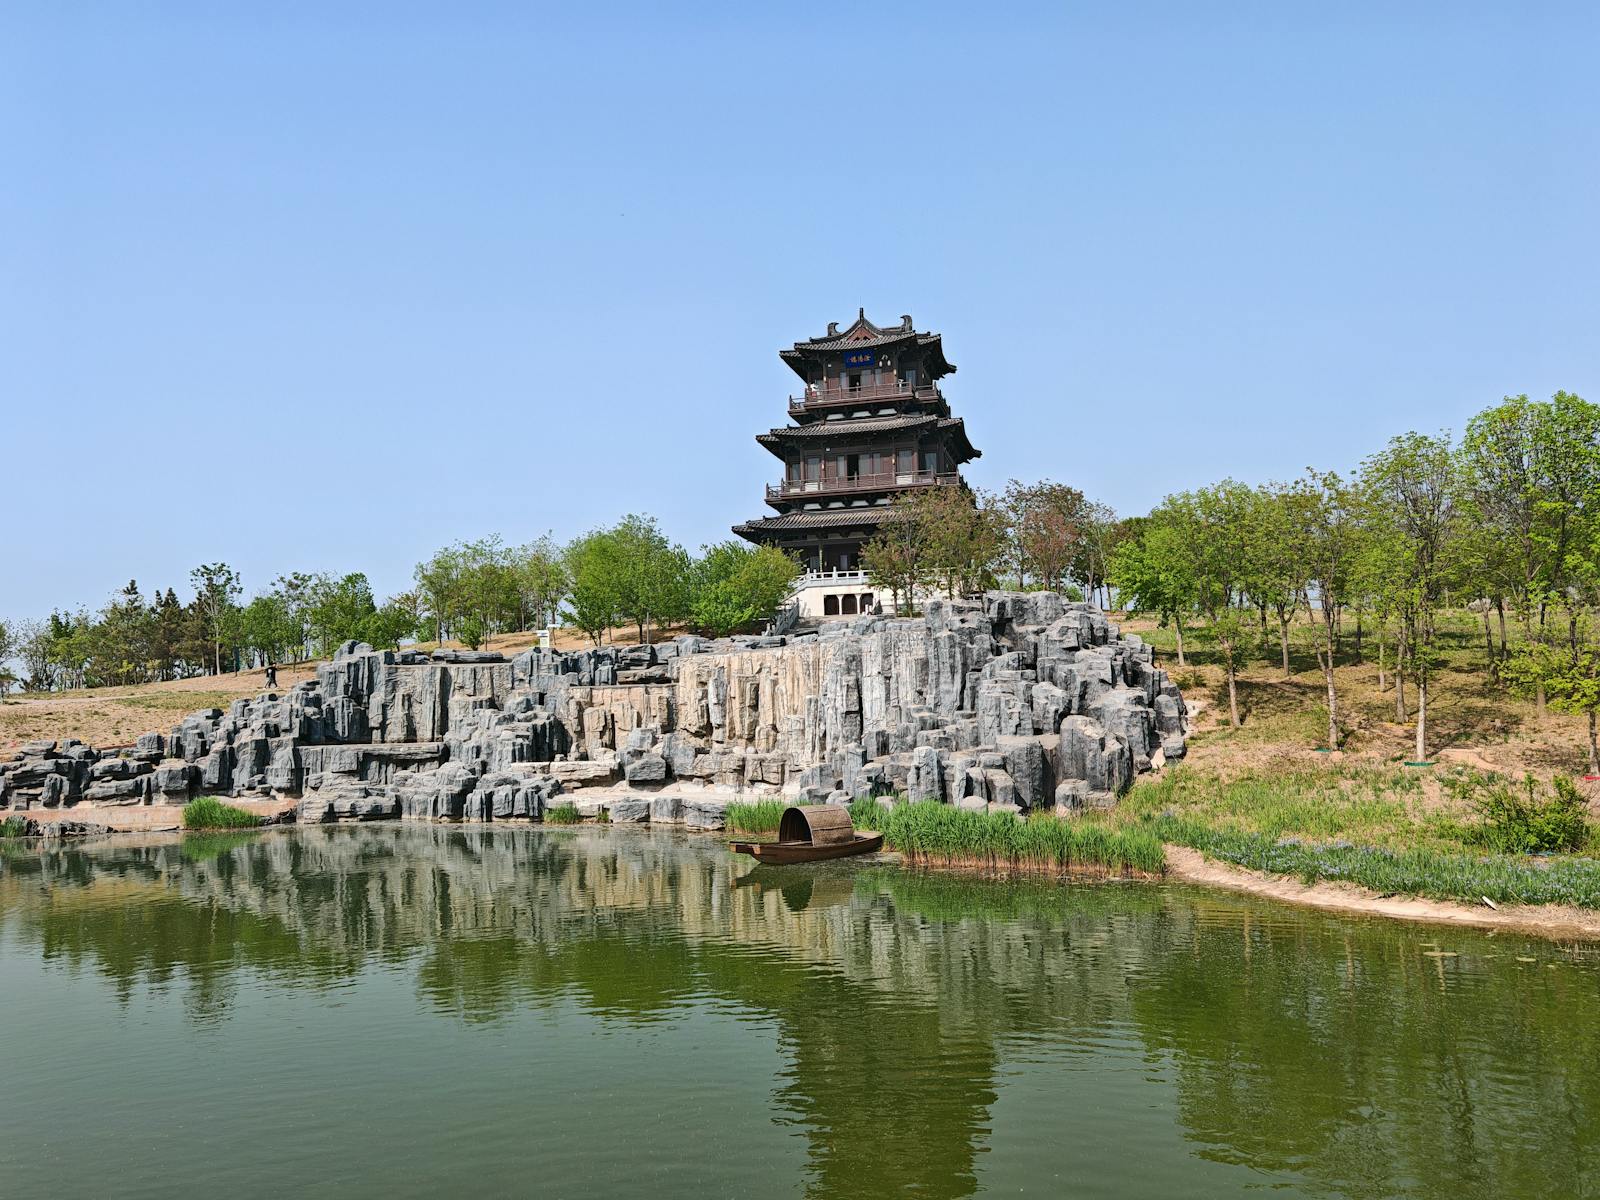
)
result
[(323, 287)]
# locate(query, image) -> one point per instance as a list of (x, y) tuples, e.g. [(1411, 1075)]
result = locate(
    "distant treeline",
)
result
[(627, 574), (1504, 522)]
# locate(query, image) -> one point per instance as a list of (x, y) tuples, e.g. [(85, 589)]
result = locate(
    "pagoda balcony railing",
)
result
[(813, 399), (880, 481)]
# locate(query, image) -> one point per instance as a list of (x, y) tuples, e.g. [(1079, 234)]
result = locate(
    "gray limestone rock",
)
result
[(629, 812)]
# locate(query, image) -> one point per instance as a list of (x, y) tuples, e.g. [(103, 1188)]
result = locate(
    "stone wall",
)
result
[(1023, 700)]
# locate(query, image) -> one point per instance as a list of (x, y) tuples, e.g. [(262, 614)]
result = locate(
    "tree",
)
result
[(1568, 676), (1412, 488), (36, 648), (1530, 475), (1324, 524), (488, 587), (895, 557), (594, 565), (216, 588), (542, 581), (1156, 568), (340, 610), (121, 639), (390, 625), (8, 646), (653, 580), (268, 628), (1222, 514), (1046, 524), (1276, 570), (1102, 532), (439, 588), (735, 586)]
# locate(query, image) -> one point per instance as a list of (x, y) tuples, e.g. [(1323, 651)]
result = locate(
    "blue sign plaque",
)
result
[(859, 358)]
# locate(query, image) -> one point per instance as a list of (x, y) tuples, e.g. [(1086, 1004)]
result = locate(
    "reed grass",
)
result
[(562, 814), (202, 847), (1369, 826), (13, 827), (754, 816), (935, 834), (1418, 871), (210, 813)]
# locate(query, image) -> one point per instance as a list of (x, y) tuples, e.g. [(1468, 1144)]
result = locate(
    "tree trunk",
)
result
[(1400, 678), (1422, 716), (1594, 750), (1500, 608), (1488, 638), (1177, 623), (1359, 615), (1538, 695), (1262, 609), (1283, 641), (217, 661), (1333, 703), (1233, 685), (1383, 683)]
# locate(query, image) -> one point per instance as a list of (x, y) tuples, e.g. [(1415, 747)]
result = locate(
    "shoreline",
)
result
[(1183, 865), (1545, 920)]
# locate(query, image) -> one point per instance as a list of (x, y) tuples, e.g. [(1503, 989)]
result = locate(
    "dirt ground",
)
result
[(1471, 721), (115, 716), (147, 818)]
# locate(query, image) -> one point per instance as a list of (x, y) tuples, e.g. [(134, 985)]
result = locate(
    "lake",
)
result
[(410, 1009)]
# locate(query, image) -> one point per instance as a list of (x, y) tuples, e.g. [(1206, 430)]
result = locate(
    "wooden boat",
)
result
[(811, 833)]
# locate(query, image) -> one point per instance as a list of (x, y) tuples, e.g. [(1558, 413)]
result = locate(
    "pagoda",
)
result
[(869, 423)]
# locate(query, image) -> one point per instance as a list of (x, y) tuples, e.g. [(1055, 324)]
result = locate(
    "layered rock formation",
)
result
[(1023, 700)]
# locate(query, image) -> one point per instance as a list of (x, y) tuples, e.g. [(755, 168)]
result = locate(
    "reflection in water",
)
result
[(1325, 1054)]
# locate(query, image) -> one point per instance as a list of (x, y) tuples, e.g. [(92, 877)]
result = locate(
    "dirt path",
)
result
[(1550, 921), (146, 818)]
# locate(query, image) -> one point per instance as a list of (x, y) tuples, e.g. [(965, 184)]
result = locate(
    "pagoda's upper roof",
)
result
[(864, 335), (953, 429)]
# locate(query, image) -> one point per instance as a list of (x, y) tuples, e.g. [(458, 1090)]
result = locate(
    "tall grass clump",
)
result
[(210, 813), (13, 827), (755, 816), (932, 833), (562, 814)]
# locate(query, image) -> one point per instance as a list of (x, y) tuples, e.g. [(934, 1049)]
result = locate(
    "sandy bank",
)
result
[(1551, 921)]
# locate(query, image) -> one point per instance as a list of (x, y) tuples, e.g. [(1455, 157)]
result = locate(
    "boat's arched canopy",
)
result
[(816, 824)]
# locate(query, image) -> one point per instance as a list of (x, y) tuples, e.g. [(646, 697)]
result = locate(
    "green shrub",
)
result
[(562, 814), (210, 813), (13, 827), (1523, 822), (756, 816)]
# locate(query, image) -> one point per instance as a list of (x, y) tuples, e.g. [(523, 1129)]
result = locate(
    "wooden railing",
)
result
[(839, 397), (879, 482)]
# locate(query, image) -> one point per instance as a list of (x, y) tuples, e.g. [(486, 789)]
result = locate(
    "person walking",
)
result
[(272, 675)]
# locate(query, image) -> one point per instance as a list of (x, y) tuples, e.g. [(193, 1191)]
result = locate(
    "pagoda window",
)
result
[(905, 462), (930, 461), (813, 469)]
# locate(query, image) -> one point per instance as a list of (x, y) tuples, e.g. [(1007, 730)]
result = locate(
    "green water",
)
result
[(408, 1010)]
